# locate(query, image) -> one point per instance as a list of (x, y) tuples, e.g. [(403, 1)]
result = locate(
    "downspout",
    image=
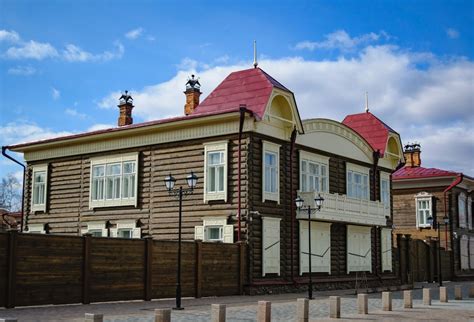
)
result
[(292, 204), (376, 156), (451, 186), (4, 153), (242, 109)]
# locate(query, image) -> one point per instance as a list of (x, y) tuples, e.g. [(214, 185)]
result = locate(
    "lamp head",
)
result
[(299, 202), (319, 201), (192, 180), (169, 182)]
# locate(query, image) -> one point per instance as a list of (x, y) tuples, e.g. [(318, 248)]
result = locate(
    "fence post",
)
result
[(408, 299), (471, 290), (217, 312), (148, 267), (363, 303), (198, 278), (334, 307), (241, 267), (90, 317), (264, 311), (426, 296), (458, 292), (11, 270), (162, 315), (86, 267), (387, 301), (302, 310), (443, 294)]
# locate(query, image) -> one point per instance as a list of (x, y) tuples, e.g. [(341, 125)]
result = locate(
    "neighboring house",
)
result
[(420, 193), (111, 182), (9, 220)]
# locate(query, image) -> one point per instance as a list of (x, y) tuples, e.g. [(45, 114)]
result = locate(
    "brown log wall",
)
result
[(40, 269)]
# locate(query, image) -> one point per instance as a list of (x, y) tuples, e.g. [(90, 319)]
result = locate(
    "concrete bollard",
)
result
[(443, 294), (264, 311), (426, 296), (471, 291), (90, 317), (8, 320), (387, 301), (408, 299), (334, 307), (162, 315), (363, 303), (458, 292), (218, 313), (302, 310)]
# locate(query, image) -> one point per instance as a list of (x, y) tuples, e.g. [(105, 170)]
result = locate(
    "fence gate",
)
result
[(420, 261)]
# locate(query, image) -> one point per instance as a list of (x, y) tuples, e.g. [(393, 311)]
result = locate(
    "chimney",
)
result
[(125, 106), (412, 155), (192, 95)]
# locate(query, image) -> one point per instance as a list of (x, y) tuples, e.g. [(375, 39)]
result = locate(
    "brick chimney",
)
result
[(412, 155), (125, 106), (192, 93)]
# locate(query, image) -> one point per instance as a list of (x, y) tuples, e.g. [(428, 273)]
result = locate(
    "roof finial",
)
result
[(255, 63), (366, 102)]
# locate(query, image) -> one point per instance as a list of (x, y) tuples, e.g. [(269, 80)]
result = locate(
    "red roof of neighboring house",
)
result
[(251, 87), (420, 172), (371, 128)]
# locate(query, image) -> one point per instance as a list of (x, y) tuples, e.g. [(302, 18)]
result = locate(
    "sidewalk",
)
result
[(244, 308)]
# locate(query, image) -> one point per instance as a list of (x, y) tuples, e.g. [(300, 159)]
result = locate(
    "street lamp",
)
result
[(170, 181), (299, 204), (437, 225)]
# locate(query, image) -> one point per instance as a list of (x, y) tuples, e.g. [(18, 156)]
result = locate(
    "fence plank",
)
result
[(198, 268), (11, 271), (149, 267), (86, 269)]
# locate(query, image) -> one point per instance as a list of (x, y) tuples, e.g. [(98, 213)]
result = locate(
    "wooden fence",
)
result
[(52, 269)]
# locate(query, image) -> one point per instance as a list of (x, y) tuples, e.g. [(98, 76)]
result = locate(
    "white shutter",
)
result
[(105, 232), (320, 247), (270, 245), (113, 232), (84, 231), (471, 252), (464, 252), (199, 232), (386, 237), (228, 234), (359, 249), (137, 233)]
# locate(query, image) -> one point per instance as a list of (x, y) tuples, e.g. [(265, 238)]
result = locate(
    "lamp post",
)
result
[(179, 193), (437, 225), (299, 204)]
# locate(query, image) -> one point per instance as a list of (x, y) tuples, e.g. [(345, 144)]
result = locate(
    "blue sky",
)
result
[(64, 63)]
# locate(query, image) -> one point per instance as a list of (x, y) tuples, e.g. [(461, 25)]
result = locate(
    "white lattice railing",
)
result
[(338, 207)]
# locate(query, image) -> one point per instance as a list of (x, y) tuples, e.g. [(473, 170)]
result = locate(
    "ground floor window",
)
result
[(215, 229)]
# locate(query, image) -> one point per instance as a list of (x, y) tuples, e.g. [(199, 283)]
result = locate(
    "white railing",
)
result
[(338, 207)]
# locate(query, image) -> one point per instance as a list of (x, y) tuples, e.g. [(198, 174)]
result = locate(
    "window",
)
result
[(39, 187), (271, 173), (96, 229), (215, 229), (313, 172), (357, 182), (423, 209), (114, 181), (215, 171), (385, 189), (462, 210), (126, 229), (469, 213)]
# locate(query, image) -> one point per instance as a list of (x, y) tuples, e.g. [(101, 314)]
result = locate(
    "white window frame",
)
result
[(220, 146), (319, 161), (35, 169), (96, 225), (227, 231), (469, 212), (363, 171), (423, 196), (268, 147), (385, 177), (36, 229), (129, 225), (122, 158), (462, 210)]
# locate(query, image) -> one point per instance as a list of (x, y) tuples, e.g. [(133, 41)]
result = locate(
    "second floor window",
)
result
[(424, 206), (385, 189), (271, 171), (357, 182), (215, 171), (39, 188), (314, 176), (462, 210)]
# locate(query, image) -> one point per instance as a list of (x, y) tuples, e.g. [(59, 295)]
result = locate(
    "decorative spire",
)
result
[(255, 63), (366, 102)]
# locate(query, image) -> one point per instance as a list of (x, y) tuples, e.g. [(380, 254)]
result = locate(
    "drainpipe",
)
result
[(4, 153), (376, 156), (243, 109), (451, 186), (292, 203)]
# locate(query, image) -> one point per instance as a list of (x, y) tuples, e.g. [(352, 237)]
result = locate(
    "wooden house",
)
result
[(253, 156), (420, 193)]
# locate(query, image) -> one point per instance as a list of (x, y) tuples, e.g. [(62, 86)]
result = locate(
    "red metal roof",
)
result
[(371, 128), (251, 87), (421, 172)]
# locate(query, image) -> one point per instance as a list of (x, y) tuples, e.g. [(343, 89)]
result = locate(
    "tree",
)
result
[(10, 193)]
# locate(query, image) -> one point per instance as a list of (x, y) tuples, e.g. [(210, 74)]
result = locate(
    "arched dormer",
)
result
[(393, 152)]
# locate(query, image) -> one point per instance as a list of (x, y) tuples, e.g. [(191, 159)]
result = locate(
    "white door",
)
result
[(270, 245)]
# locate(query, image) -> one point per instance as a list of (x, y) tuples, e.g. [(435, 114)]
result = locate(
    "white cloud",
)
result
[(73, 53), (100, 126), (10, 36), (340, 39), (134, 33), (75, 113), (452, 33), (55, 93), (22, 70), (31, 50), (21, 132)]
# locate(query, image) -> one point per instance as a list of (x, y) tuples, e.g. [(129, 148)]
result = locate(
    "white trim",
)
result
[(271, 148), (271, 245), (221, 146), (131, 225), (313, 158), (96, 225), (469, 213), (385, 176), (39, 207), (423, 196), (462, 218), (104, 160), (36, 229), (226, 231)]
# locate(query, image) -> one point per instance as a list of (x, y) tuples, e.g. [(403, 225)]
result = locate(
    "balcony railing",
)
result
[(341, 208)]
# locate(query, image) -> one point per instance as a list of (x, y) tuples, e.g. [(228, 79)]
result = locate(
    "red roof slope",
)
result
[(371, 128), (420, 172), (251, 87)]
